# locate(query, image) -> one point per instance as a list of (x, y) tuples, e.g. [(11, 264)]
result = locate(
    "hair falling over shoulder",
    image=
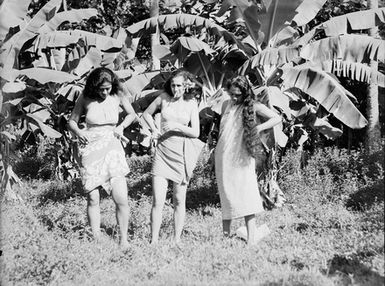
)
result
[(249, 117)]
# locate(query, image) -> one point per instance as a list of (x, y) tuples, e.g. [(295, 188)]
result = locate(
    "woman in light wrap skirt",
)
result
[(177, 148)]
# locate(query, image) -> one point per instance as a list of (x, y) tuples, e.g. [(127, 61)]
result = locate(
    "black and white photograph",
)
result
[(192, 142)]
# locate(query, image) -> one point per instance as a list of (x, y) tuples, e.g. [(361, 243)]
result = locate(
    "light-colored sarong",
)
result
[(102, 159), (235, 168), (175, 158)]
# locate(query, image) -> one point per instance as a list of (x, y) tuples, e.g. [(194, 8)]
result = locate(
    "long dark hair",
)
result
[(249, 117), (97, 77), (243, 84), (189, 93)]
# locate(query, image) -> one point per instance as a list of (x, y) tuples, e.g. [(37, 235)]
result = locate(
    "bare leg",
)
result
[(251, 228), (226, 224), (159, 191), (93, 212), (119, 195), (179, 201)]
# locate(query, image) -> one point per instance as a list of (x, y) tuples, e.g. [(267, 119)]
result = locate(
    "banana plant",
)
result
[(307, 61), (43, 70), (294, 69)]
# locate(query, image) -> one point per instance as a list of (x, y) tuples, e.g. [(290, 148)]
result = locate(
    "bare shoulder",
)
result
[(192, 102), (264, 110), (225, 104), (164, 96)]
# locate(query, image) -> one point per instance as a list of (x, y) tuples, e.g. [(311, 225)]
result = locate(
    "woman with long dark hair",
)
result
[(235, 155), (102, 157)]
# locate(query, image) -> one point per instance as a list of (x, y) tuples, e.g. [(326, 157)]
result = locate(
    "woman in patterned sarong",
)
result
[(102, 157), (235, 155), (177, 148)]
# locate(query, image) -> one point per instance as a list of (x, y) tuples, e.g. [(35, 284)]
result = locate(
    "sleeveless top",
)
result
[(105, 112), (175, 113)]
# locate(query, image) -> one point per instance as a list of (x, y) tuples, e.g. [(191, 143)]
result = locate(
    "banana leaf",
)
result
[(69, 91), (137, 83), (13, 46), (286, 36), (60, 39), (356, 71), (350, 48), (245, 10), (93, 58), (345, 24), (71, 16), (183, 46), (58, 56), (14, 87), (271, 57), (47, 130), (44, 76), (361, 20), (327, 91), (306, 11), (12, 14), (175, 21), (281, 11)]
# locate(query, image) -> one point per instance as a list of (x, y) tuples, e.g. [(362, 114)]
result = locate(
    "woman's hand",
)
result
[(118, 131), (82, 137), (155, 134), (171, 126), (256, 132)]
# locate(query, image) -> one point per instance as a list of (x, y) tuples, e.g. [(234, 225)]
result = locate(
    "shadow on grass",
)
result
[(202, 196), (353, 267), (366, 197)]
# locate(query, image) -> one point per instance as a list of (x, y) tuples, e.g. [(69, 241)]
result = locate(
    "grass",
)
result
[(329, 232)]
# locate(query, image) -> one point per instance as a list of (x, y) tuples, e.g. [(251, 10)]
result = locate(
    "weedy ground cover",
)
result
[(330, 231)]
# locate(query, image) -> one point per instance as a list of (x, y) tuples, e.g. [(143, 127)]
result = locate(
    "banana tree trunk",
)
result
[(154, 12), (373, 129)]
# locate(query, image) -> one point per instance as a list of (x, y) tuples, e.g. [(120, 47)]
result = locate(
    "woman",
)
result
[(102, 157), (177, 148), (235, 152)]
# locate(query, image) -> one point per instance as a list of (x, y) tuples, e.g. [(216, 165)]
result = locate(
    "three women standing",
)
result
[(103, 162)]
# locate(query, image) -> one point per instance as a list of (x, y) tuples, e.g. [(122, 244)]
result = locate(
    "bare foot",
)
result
[(124, 244), (261, 232)]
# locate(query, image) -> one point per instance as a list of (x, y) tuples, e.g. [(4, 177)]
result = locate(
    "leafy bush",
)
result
[(45, 159)]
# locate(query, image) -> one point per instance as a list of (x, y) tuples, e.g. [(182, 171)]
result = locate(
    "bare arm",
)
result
[(264, 111), (130, 117), (149, 112), (77, 112)]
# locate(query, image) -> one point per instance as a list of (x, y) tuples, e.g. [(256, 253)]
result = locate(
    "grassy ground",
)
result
[(329, 232)]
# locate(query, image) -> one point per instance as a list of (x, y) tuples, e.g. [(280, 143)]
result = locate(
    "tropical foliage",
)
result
[(46, 55)]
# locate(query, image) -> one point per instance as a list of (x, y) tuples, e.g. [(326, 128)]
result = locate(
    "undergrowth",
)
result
[(330, 231)]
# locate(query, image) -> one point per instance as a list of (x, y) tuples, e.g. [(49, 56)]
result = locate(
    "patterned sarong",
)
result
[(101, 159)]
